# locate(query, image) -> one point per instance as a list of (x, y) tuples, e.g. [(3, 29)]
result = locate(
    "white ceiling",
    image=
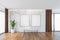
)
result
[(31, 4)]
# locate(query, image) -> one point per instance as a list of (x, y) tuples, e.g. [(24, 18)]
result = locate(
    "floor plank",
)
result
[(31, 36)]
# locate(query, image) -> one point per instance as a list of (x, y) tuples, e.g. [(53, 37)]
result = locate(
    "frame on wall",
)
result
[(24, 19), (39, 19), (30, 20)]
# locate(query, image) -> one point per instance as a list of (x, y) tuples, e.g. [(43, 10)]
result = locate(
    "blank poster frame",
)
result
[(31, 20), (28, 21)]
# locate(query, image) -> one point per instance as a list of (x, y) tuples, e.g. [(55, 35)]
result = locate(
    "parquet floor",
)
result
[(31, 36)]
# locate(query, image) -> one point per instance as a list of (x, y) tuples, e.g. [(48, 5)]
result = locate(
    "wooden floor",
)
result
[(31, 36)]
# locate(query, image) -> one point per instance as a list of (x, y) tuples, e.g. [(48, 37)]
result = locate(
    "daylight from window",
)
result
[(2, 22), (56, 22)]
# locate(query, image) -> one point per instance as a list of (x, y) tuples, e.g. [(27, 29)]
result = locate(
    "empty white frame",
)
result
[(24, 20), (35, 20)]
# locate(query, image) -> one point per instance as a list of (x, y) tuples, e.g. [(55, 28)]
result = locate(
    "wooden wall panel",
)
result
[(48, 20), (6, 20)]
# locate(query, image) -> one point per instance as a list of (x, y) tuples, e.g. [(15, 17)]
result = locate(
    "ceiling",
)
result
[(31, 4)]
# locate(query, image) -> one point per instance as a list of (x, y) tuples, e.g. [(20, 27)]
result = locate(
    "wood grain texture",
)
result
[(48, 20), (31, 36), (6, 20)]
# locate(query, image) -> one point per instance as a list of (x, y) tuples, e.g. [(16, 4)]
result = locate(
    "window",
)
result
[(2, 22), (56, 22)]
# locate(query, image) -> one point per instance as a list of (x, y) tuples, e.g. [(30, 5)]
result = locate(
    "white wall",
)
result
[(31, 4), (15, 14), (2, 8), (56, 11)]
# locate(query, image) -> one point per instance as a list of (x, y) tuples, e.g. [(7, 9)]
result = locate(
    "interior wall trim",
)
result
[(6, 20), (48, 20)]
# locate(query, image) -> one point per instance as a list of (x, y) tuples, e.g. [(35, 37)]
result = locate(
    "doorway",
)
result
[(2, 22), (56, 22)]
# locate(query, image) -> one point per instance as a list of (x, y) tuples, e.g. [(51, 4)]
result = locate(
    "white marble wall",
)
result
[(16, 14)]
